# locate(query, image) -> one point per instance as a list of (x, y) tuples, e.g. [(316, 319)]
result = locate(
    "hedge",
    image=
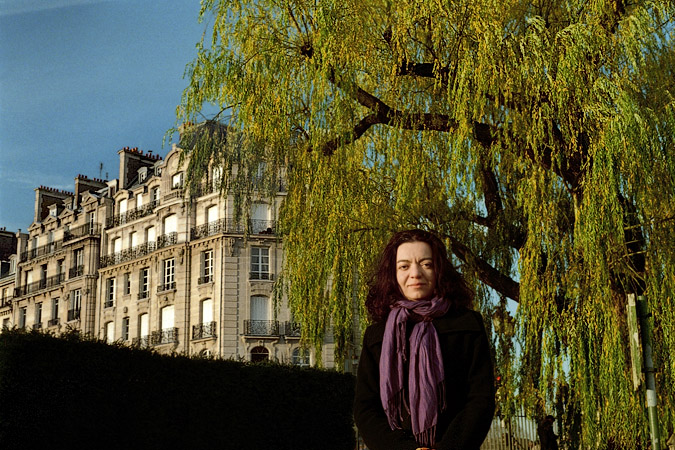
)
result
[(71, 392)]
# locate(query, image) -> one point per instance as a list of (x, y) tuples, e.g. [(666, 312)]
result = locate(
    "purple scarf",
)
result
[(426, 390)]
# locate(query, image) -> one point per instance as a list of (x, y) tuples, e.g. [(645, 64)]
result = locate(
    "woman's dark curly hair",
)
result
[(384, 289)]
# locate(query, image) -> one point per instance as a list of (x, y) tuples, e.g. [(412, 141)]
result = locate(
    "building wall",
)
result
[(104, 254)]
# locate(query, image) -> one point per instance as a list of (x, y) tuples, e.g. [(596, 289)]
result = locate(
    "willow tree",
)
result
[(536, 137)]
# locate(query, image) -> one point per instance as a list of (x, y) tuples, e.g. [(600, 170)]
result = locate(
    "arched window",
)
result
[(259, 354)]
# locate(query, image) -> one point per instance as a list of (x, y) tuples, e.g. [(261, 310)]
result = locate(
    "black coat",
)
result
[(469, 381)]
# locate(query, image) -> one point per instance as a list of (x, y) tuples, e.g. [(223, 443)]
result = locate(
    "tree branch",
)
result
[(486, 273)]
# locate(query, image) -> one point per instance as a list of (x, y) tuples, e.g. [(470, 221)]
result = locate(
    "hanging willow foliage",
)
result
[(536, 137)]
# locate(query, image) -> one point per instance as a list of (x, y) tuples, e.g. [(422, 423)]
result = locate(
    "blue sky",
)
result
[(81, 79)]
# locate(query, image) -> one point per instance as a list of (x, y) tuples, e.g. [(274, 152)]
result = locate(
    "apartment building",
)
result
[(139, 260), (8, 242), (56, 272)]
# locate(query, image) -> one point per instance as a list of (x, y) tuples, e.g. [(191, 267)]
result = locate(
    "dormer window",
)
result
[(142, 174)]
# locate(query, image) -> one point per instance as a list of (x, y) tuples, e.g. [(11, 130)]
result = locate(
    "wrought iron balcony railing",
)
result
[(261, 327), (130, 216), (204, 330), (108, 304), (36, 286), (76, 272), (37, 326), (129, 254), (73, 314), (53, 322), (230, 226), (165, 336), (292, 329), (205, 279), (171, 286), (260, 276), (89, 229), (143, 295), (167, 239), (143, 341), (43, 250)]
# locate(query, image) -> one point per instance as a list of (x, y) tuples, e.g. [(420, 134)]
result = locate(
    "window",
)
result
[(150, 234), (212, 214), (207, 267), (260, 308), (207, 311), (91, 221), (78, 263), (177, 181), (143, 325), (259, 354), (139, 200), (55, 312), (155, 196), (110, 332), (144, 279), (300, 357), (133, 239), (75, 304), (260, 218), (116, 245), (22, 317), (260, 263), (169, 268), (125, 328), (38, 315), (127, 283), (170, 224), (109, 292), (123, 206), (167, 317)]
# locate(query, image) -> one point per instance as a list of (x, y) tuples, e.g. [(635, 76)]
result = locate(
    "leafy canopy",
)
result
[(536, 137)]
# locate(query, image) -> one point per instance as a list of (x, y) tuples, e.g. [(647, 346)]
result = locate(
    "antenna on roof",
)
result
[(100, 170)]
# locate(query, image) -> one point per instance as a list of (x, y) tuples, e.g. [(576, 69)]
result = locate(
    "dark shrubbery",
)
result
[(71, 392)]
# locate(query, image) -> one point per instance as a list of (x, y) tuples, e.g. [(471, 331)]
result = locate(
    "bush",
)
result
[(65, 391)]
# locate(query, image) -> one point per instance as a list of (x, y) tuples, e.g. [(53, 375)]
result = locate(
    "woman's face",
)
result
[(415, 270)]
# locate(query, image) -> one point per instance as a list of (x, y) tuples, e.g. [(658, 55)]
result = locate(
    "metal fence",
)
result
[(519, 433)]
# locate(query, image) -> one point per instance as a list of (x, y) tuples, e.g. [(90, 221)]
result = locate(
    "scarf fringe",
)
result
[(396, 402), (427, 437)]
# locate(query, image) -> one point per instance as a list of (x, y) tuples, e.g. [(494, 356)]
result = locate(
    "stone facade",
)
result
[(140, 260)]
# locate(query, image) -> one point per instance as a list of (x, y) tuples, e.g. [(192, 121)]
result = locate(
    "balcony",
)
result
[(37, 286), (165, 336), (143, 341), (292, 329), (204, 330), (108, 304), (261, 327), (7, 301), (230, 226), (143, 295), (205, 279), (90, 229), (44, 250), (170, 286), (73, 314), (261, 276), (76, 272), (129, 254), (130, 216), (53, 322), (167, 239), (37, 326)]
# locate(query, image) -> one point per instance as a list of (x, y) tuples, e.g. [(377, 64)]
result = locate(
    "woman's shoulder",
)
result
[(459, 320)]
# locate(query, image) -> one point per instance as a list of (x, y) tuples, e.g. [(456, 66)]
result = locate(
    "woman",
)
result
[(425, 377)]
